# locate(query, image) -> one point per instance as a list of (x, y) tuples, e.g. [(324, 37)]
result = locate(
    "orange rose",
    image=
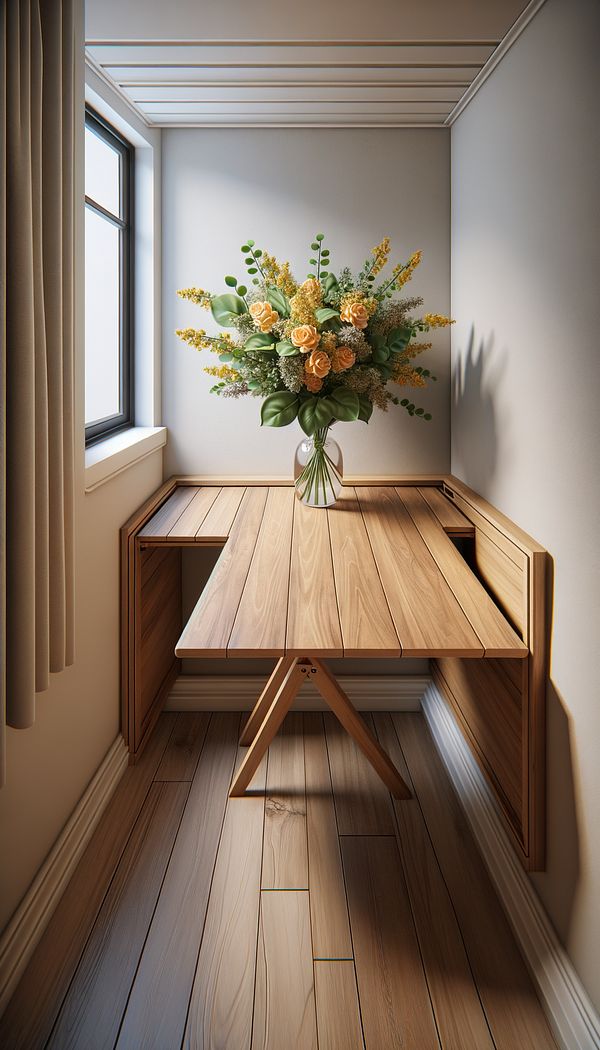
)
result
[(313, 383), (355, 314), (343, 357), (305, 337), (264, 316), (318, 363)]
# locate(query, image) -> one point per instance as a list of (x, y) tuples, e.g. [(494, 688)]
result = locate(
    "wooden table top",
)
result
[(377, 575)]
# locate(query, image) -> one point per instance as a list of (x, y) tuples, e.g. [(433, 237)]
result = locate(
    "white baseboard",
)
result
[(240, 693), (574, 1021), (27, 925)]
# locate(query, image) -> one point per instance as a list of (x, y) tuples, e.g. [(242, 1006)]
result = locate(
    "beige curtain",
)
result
[(36, 317)]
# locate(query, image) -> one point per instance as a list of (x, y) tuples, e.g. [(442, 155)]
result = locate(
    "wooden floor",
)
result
[(315, 913)]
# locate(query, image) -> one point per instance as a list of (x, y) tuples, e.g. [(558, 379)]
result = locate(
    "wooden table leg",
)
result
[(341, 706), (265, 700), (278, 709)]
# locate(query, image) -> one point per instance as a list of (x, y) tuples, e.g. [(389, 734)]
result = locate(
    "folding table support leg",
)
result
[(276, 700), (278, 709), (346, 713), (265, 700)]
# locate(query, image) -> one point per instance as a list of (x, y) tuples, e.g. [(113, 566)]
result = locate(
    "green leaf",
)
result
[(326, 313), (315, 246), (427, 416), (225, 308), (242, 289), (398, 339), (313, 262), (231, 281), (226, 358), (344, 404), (250, 243), (365, 408), (245, 248), (381, 354), (252, 269), (279, 409), (287, 349), (320, 237), (330, 285), (258, 253), (314, 413), (259, 341), (279, 301)]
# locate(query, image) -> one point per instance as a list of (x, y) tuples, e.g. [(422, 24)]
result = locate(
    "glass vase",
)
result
[(318, 469)]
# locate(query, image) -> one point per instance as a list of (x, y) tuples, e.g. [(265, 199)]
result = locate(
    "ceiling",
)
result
[(188, 64)]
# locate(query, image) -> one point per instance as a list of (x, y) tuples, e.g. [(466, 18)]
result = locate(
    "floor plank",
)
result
[(513, 1011), (32, 1010), (458, 1011), (284, 1002), (362, 802), (96, 1000), (394, 998), (183, 750), (328, 906), (338, 1014), (220, 1012), (157, 1007), (285, 853)]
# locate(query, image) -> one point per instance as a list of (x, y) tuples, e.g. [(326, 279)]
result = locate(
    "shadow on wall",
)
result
[(475, 379), (557, 885)]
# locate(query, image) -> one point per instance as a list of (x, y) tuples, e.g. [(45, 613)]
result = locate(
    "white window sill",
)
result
[(108, 458)]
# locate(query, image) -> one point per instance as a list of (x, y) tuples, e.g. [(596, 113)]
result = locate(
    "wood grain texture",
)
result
[(362, 803), (156, 1011), (495, 634), (183, 750), (221, 1004), (189, 523), (157, 627), (93, 1008), (427, 616), (30, 1014), (358, 730), (313, 623), (489, 710), (328, 906), (367, 628), (447, 513), (338, 1014), (259, 711), (260, 621), (284, 1002), (395, 1005), (161, 523), (458, 1012), (218, 523), (209, 627), (285, 853), (507, 581), (280, 706), (513, 1012), (497, 519)]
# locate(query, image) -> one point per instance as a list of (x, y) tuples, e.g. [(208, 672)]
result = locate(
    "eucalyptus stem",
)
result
[(319, 473)]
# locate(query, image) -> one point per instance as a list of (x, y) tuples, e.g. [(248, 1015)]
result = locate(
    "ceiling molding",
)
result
[(503, 48), (300, 83)]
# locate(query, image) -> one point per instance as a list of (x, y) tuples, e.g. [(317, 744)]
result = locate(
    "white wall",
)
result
[(77, 718), (525, 420), (281, 187)]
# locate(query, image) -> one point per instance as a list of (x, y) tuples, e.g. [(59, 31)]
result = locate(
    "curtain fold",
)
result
[(37, 117)]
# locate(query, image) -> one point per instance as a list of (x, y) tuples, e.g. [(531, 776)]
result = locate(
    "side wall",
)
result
[(526, 379), (281, 187), (77, 720)]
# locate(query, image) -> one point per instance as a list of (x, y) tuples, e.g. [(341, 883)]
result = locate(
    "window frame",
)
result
[(123, 420)]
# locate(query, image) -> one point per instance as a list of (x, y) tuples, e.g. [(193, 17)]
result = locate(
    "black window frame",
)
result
[(124, 419)]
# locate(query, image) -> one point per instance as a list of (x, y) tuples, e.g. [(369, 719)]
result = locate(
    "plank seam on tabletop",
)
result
[(362, 1027), (234, 617), (360, 507), (109, 884), (458, 926)]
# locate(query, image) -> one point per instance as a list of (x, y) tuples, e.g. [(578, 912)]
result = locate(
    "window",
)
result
[(108, 280)]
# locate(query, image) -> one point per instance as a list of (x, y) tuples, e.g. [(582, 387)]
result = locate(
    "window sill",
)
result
[(108, 458)]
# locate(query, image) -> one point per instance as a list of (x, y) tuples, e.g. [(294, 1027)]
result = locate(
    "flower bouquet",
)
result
[(319, 351)]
